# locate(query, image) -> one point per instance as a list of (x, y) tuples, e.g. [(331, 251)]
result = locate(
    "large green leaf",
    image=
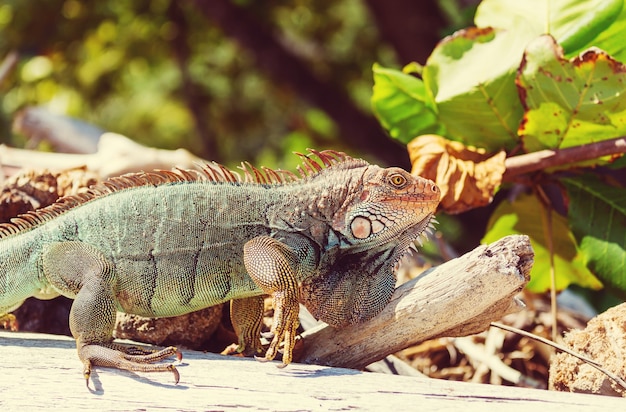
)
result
[(471, 76), (402, 105), (574, 23), (570, 103), (611, 40), (597, 213), (523, 216)]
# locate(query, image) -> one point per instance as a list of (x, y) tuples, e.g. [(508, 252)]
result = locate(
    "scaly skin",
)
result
[(167, 243)]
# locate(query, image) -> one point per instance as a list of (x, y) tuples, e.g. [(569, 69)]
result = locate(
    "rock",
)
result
[(603, 340)]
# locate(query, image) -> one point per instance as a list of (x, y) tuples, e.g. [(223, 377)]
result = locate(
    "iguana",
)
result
[(166, 243)]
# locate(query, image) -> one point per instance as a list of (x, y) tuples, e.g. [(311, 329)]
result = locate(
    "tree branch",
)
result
[(412, 29), (544, 159), (214, 382), (458, 298)]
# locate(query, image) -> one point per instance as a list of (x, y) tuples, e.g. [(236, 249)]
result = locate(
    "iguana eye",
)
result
[(397, 180)]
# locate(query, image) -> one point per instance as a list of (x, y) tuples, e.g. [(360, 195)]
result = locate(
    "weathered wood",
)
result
[(458, 298), (116, 155), (64, 133), (43, 371)]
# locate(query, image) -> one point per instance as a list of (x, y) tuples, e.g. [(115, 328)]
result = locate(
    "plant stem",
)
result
[(546, 217)]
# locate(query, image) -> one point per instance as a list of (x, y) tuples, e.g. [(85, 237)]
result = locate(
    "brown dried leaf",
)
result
[(467, 176)]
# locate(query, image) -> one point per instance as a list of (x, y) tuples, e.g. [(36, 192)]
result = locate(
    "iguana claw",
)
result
[(175, 372), (262, 359), (87, 375), (171, 368)]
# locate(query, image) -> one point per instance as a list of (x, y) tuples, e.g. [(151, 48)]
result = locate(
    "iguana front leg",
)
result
[(78, 268), (275, 267)]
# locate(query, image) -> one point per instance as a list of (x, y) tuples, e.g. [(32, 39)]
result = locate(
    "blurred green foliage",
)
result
[(151, 69)]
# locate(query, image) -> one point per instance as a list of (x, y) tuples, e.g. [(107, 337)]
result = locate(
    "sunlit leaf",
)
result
[(471, 75), (570, 103), (597, 213), (37, 68), (467, 177), (523, 216), (402, 104), (574, 23), (611, 40)]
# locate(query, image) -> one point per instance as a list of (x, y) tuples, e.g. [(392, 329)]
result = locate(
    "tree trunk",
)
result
[(412, 28)]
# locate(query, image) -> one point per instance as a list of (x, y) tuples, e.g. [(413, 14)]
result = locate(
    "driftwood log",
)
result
[(115, 155), (64, 134), (43, 372), (458, 298)]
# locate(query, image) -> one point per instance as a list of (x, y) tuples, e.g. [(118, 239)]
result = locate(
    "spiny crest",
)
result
[(215, 172), (211, 172)]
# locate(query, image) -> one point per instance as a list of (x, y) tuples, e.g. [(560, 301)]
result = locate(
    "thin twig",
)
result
[(562, 348), (544, 159)]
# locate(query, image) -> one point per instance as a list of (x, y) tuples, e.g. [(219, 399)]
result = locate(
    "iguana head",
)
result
[(384, 212), (390, 205), (362, 217)]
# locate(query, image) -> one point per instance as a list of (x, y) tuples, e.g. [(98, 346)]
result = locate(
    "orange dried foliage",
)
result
[(468, 177), (34, 189)]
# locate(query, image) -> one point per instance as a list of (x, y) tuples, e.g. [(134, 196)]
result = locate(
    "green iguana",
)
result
[(167, 243)]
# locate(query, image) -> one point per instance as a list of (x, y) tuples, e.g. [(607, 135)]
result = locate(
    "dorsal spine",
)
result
[(211, 172)]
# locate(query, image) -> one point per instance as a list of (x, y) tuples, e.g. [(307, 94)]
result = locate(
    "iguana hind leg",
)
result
[(81, 270), (247, 315)]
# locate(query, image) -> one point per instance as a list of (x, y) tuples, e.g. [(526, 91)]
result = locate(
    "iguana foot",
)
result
[(287, 355), (246, 316), (284, 329), (139, 350), (132, 358), (237, 351)]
